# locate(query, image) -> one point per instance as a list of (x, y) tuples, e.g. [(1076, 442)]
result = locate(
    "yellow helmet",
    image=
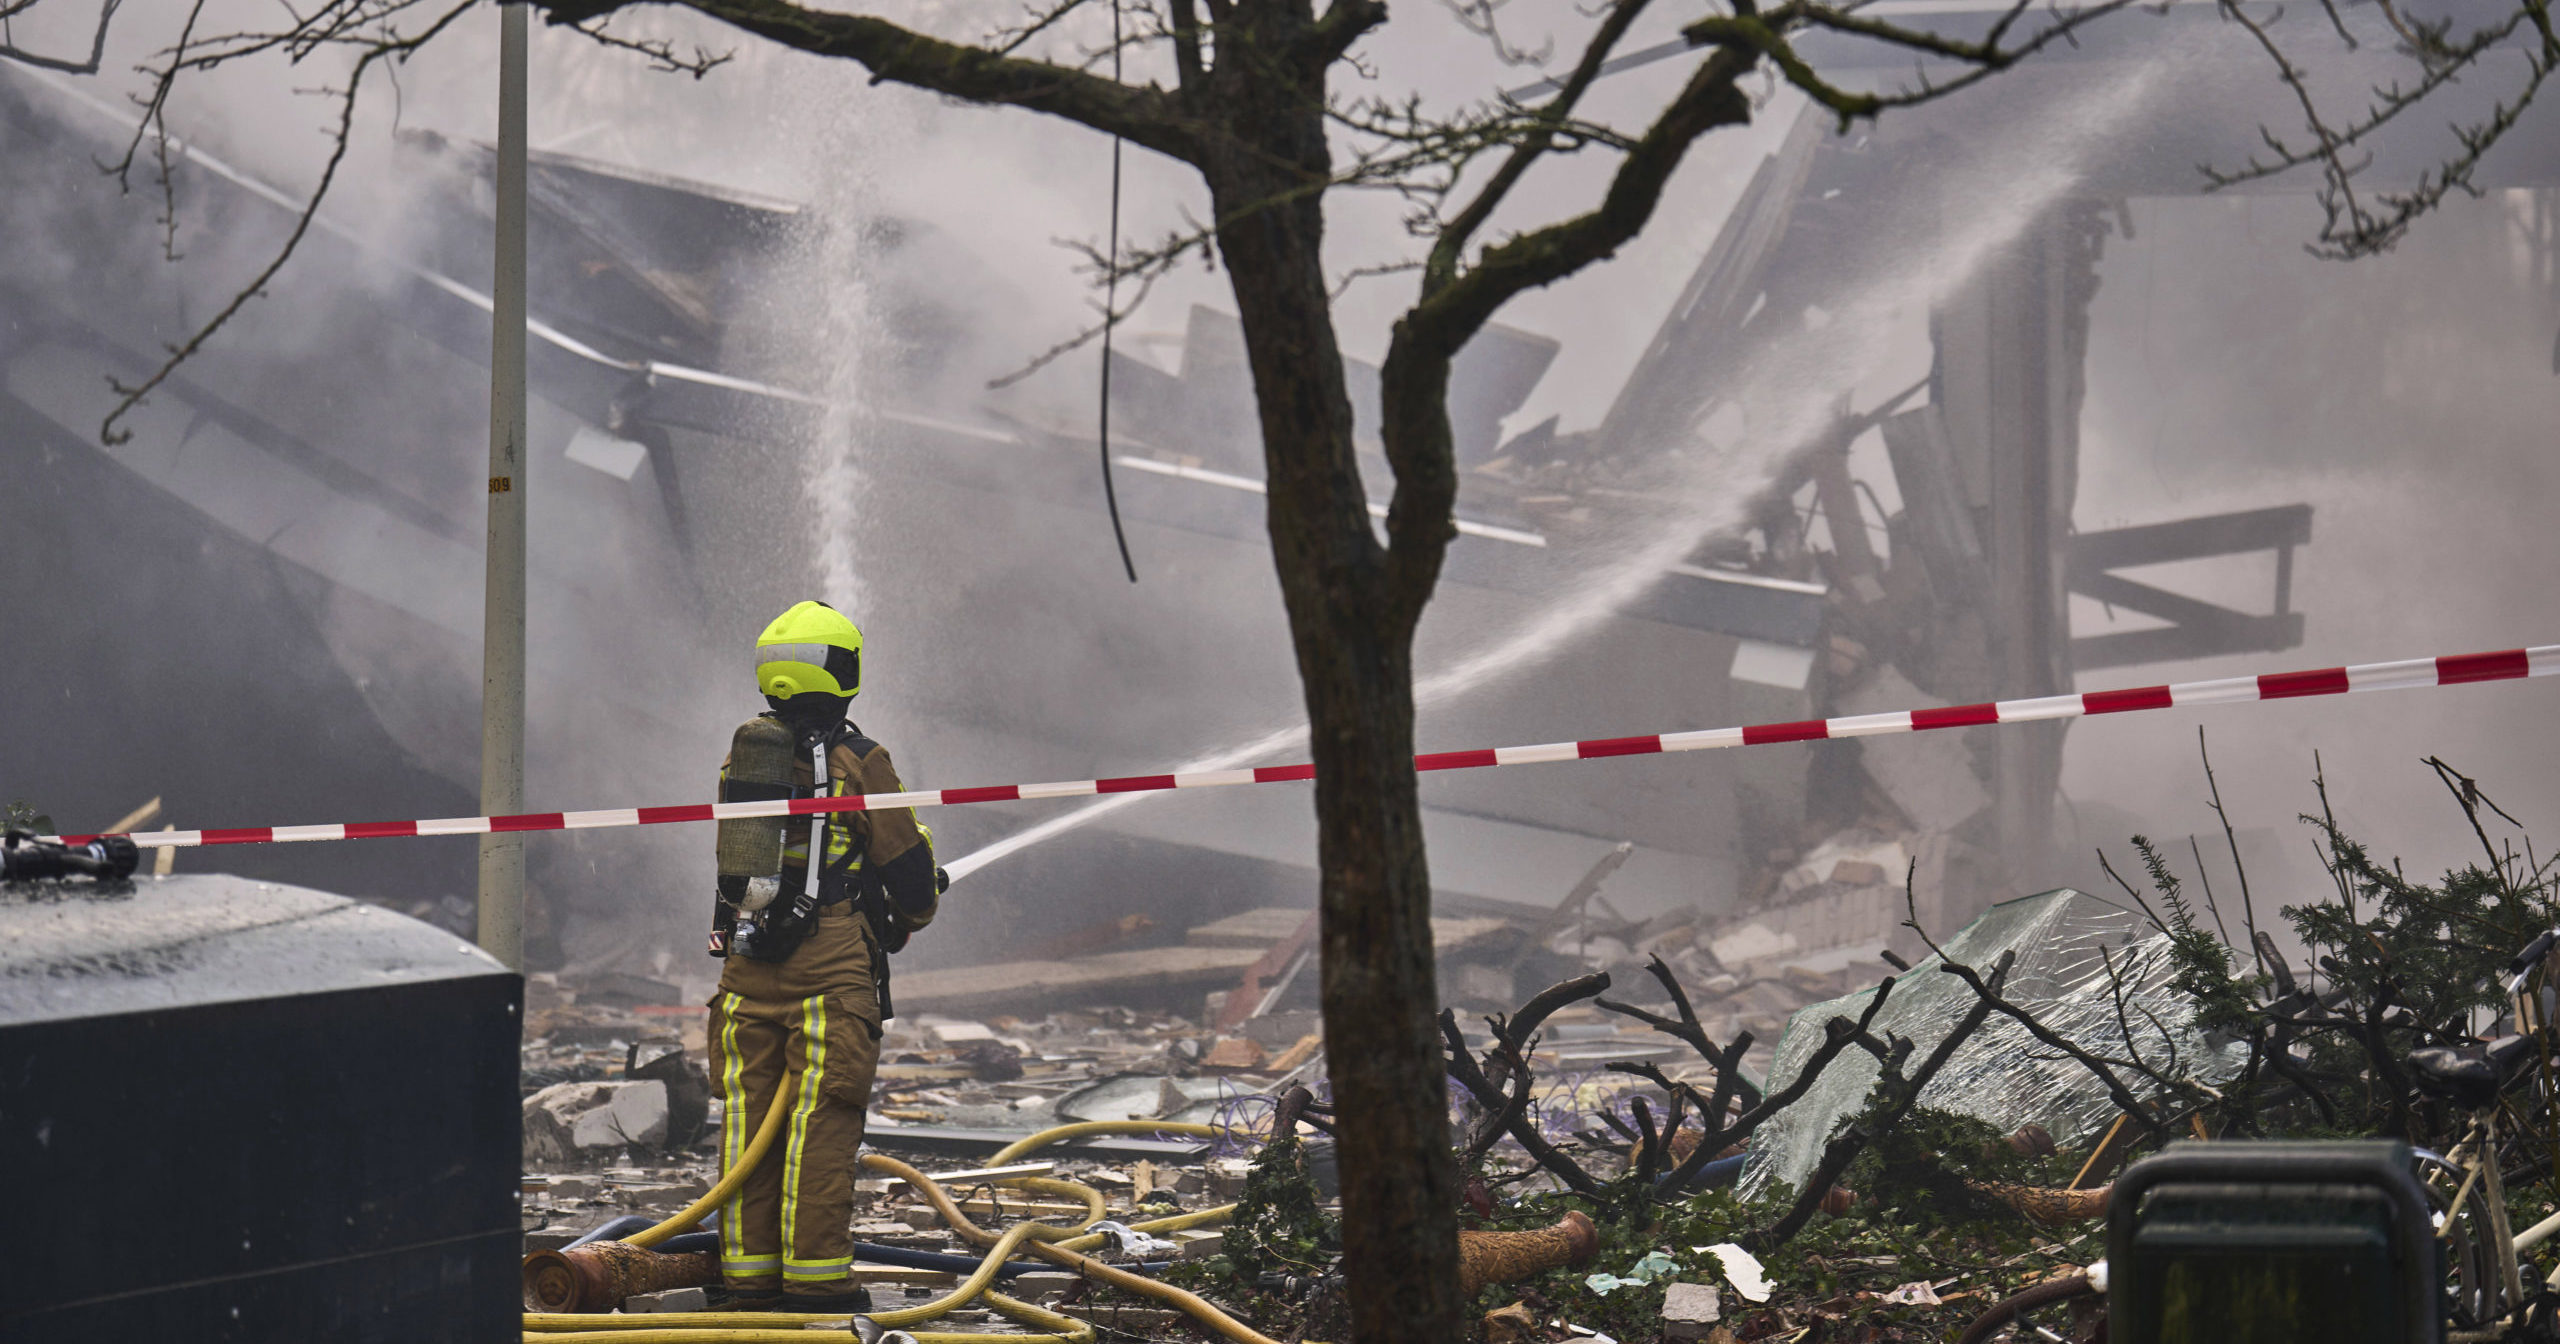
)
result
[(810, 648)]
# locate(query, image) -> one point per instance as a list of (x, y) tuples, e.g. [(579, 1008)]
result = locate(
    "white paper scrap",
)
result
[(1741, 1269)]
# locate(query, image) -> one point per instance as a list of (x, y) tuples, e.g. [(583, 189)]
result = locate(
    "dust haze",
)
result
[(2410, 400)]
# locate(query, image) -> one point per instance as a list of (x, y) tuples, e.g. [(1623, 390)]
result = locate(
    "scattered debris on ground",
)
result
[(1654, 1147)]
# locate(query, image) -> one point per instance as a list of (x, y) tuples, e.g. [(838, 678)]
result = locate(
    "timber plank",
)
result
[(1110, 977), (1270, 925)]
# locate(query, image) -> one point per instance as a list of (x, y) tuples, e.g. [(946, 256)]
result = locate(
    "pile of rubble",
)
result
[(620, 1119), (614, 1089)]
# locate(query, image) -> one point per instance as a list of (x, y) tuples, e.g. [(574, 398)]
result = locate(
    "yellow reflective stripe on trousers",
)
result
[(813, 1040), (733, 1145), (837, 1268)]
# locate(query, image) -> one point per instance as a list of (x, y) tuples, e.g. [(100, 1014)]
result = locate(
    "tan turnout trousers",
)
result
[(791, 1224), (816, 1014)]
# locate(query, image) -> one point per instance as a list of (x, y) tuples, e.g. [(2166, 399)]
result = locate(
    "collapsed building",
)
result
[(319, 461), (307, 504), (326, 457)]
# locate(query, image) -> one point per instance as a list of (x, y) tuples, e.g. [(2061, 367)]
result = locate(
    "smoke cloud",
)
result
[(2407, 399)]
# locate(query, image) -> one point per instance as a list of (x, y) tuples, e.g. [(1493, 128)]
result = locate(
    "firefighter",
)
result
[(804, 987)]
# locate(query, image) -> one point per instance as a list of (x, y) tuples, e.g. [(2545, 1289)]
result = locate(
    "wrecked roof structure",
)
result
[(1913, 548), (1839, 481), (662, 429)]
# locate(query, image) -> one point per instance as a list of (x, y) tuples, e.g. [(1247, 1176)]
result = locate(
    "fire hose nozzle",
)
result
[(108, 858)]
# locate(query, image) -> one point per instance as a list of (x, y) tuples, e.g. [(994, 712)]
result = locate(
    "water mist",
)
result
[(1786, 392)]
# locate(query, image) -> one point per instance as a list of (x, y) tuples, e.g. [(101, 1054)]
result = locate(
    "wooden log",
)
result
[(2045, 1204), (1503, 1257)]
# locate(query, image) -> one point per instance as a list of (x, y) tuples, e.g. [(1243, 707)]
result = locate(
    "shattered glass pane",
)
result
[(2065, 941)]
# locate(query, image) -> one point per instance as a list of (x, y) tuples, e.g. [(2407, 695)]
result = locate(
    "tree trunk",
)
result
[(1354, 640)]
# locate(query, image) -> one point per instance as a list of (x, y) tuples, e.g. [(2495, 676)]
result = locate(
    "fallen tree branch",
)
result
[(1838, 1034), (1507, 1107)]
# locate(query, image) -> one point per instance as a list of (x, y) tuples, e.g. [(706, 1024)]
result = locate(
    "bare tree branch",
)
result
[(1838, 1034), (1899, 1095), (1147, 116), (660, 54), (1484, 19), (1767, 34), (10, 51), (2355, 226), (1149, 268), (2099, 1067), (1506, 1100), (1006, 41), (1452, 243), (155, 126), (1344, 23), (388, 46)]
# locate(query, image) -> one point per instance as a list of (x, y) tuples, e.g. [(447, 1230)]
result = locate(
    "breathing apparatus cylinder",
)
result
[(750, 848), (781, 930)]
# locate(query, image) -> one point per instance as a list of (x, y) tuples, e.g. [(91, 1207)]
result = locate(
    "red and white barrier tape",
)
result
[(2451, 670)]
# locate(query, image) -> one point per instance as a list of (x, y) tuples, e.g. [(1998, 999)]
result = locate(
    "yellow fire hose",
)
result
[(1041, 1244), (719, 1194), (735, 1327), (688, 1327), (692, 1327), (1199, 1308), (739, 1327), (1088, 1128), (1043, 1185)]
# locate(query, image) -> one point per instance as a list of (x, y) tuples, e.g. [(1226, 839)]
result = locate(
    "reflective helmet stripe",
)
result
[(813, 654)]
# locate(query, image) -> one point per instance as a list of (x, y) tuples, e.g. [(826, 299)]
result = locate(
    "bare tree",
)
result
[(2437, 50), (1252, 112), (1252, 109)]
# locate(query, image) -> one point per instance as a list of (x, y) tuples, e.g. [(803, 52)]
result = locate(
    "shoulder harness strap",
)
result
[(886, 936)]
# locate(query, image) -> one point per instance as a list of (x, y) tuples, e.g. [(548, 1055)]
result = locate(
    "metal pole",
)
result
[(502, 658)]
